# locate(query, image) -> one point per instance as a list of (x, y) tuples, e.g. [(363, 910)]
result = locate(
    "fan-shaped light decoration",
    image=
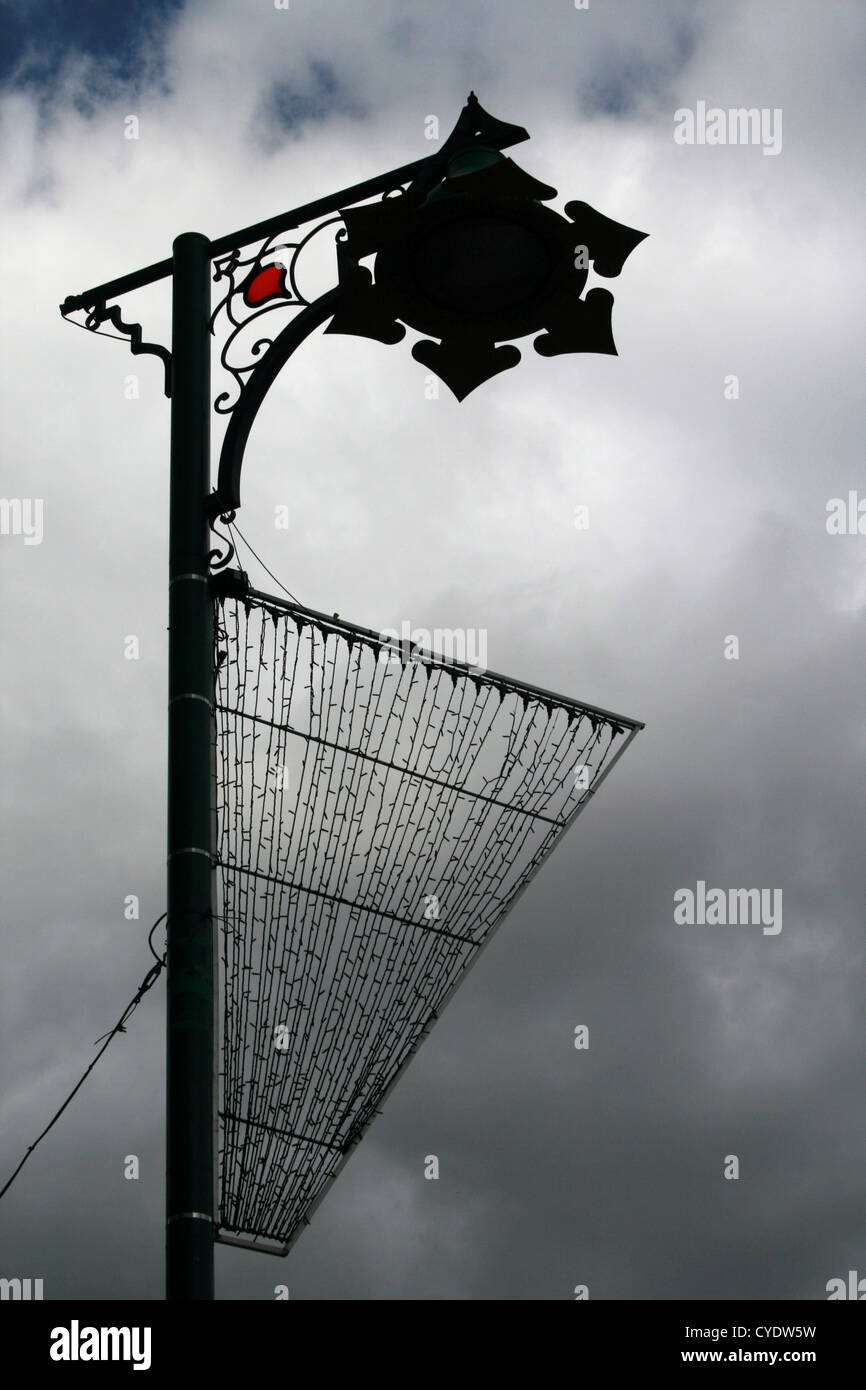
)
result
[(379, 812)]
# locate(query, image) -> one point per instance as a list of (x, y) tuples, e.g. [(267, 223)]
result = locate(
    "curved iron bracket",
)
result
[(98, 314), (216, 560), (227, 497)]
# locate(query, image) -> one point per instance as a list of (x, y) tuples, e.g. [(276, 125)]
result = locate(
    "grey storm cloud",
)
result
[(707, 508)]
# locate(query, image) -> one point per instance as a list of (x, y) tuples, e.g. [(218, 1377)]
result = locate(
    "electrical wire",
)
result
[(148, 981), (234, 528), (99, 333)]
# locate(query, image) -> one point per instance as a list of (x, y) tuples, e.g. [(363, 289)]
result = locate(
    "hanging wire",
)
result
[(234, 529), (100, 332), (147, 983)]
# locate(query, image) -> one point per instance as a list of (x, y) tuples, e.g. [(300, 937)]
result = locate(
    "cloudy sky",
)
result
[(708, 508)]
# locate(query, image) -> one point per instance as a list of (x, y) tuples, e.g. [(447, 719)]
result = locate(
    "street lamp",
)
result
[(478, 261), (466, 253)]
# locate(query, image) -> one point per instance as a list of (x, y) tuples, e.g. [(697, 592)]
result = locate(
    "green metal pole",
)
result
[(190, 992)]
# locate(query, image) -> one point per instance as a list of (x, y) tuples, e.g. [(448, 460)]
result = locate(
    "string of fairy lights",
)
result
[(378, 811)]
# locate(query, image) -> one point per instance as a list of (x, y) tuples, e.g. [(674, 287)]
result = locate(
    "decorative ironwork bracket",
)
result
[(422, 232), (226, 498), (99, 314), (217, 560)]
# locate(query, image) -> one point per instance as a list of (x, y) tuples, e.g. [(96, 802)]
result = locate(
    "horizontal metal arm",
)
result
[(334, 623), (283, 222), (474, 124)]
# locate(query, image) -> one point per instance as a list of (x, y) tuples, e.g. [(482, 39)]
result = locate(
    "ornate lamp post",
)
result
[(466, 253)]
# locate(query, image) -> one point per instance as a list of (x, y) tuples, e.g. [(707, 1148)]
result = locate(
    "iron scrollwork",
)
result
[(215, 558), (458, 247), (257, 285), (270, 279)]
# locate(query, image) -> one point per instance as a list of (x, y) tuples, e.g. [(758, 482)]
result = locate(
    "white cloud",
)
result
[(707, 515)]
